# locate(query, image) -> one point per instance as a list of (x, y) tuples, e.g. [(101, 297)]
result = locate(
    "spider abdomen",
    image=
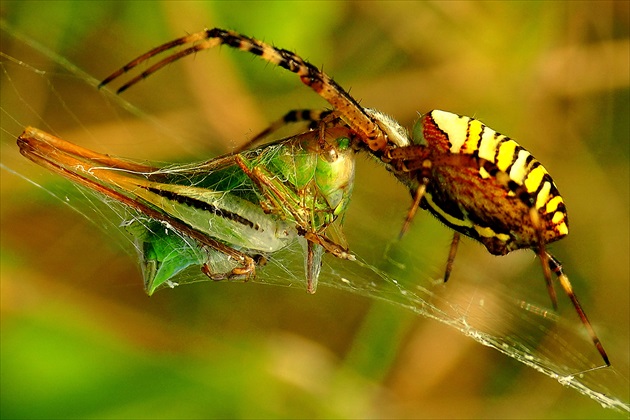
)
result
[(484, 184)]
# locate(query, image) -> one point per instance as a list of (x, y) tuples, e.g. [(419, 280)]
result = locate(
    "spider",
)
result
[(476, 181)]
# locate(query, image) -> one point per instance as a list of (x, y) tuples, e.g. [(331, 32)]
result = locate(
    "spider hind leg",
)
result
[(451, 256), (543, 256), (555, 266)]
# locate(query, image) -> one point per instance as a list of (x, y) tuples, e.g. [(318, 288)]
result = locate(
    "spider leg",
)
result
[(312, 116), (407, 158), (543, 256), (451, 256), (422, 165), (414, 207), (549, 262), (556, 267), (413, 160), (198, 36), (352, 113)]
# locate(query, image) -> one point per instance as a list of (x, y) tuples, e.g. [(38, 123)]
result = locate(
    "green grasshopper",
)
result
[(225, 214)]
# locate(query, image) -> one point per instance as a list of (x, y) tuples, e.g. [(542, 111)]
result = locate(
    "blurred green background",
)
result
[(80, 338)]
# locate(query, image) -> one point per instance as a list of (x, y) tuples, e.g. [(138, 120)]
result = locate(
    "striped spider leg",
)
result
[(237, 208), (312, 116), (368, 125)]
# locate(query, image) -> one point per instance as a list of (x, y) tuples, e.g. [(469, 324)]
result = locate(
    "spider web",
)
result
[(392, 271)]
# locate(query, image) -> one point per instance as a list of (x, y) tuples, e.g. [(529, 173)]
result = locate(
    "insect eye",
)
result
[(343, 143), (417, 132)]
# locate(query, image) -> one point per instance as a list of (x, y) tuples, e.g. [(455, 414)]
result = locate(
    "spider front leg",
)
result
[(412, 164), (353, 114)]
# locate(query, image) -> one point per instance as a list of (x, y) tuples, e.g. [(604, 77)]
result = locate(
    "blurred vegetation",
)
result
[(80, 339)]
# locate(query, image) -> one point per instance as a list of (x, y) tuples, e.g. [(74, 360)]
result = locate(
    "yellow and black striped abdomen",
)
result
[(484, 184)]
